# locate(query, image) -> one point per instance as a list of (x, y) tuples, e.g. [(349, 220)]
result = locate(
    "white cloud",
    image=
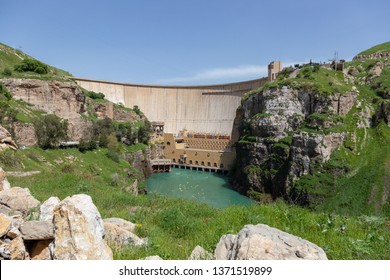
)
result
[(233, 73), (229, 74)]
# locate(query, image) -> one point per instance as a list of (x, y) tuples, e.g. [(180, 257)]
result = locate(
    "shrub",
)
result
[(95, 95), (32, 65), (137, 110), (50, 131), (4, 92), (87, 145), (101, 129), (113, 148), (7, 72), (144, 132)]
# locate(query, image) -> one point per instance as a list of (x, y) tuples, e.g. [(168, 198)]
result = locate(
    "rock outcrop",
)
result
[(375, 55), (24, 134), (261, 242), (273, 151), (6, 141), (63, 99)]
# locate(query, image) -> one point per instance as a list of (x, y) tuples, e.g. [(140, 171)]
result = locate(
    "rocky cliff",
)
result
[(286, 131), (64, 99)]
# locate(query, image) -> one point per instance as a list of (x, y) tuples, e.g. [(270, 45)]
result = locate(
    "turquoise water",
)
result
[(210, 188)]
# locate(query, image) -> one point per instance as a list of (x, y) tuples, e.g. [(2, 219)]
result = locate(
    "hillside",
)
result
[(10, 58), (313, 151), (385, 47), (319, 138)]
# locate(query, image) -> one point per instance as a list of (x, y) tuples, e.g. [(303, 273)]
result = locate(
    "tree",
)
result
[(33, 65), (144, 132), (50, 131)]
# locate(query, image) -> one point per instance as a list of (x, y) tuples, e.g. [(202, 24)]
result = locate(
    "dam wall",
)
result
[(208, 109)]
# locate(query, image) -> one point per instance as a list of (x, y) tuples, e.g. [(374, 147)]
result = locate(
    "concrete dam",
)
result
[(206, 109)]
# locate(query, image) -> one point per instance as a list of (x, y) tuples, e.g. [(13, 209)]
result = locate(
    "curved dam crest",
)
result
[(208, 108)]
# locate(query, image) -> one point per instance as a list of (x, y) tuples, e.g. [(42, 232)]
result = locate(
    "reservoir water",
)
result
[(210, 188)]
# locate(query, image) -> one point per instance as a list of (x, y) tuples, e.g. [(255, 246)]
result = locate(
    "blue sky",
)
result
[(189, 42)]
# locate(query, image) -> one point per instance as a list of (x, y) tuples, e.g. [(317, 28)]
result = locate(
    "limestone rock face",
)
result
[(371, 56), (79, 230), (308, 149), (19, 199), (274, 151), (25, 134), (64, 99), (199, 253), (6, 140), (37, 230), (4, 184), (47, 209), (261, 242)]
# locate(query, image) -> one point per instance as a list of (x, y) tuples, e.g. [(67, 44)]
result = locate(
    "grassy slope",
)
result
[(174, 227), (10, 57), (385, 47)]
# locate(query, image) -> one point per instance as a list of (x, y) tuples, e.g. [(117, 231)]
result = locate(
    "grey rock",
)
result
[(37, 230), (261, 242), (122, 223), (47, 209), (19, 199), (199, 253)]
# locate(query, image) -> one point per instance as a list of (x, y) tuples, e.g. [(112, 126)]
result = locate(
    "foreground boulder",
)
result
[(119, 234), (19, 199), (79, 231), (199, 253), (261, 242)]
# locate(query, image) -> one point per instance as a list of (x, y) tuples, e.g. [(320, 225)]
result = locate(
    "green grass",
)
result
[(385, 47), (10, 57), (26, 112), (361, 189), (174, 226)]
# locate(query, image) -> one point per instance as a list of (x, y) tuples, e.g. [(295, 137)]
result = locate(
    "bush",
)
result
[(144, 132), (95, 95), (4, 92), (32, 65), (101, 129), (7, 72), (87, 145), (50, 131), (137, 110), (113, 148)]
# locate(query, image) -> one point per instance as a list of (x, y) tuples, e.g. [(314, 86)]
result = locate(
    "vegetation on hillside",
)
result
[(16, 64), (174, 226), (385, 47), (349, 221)]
